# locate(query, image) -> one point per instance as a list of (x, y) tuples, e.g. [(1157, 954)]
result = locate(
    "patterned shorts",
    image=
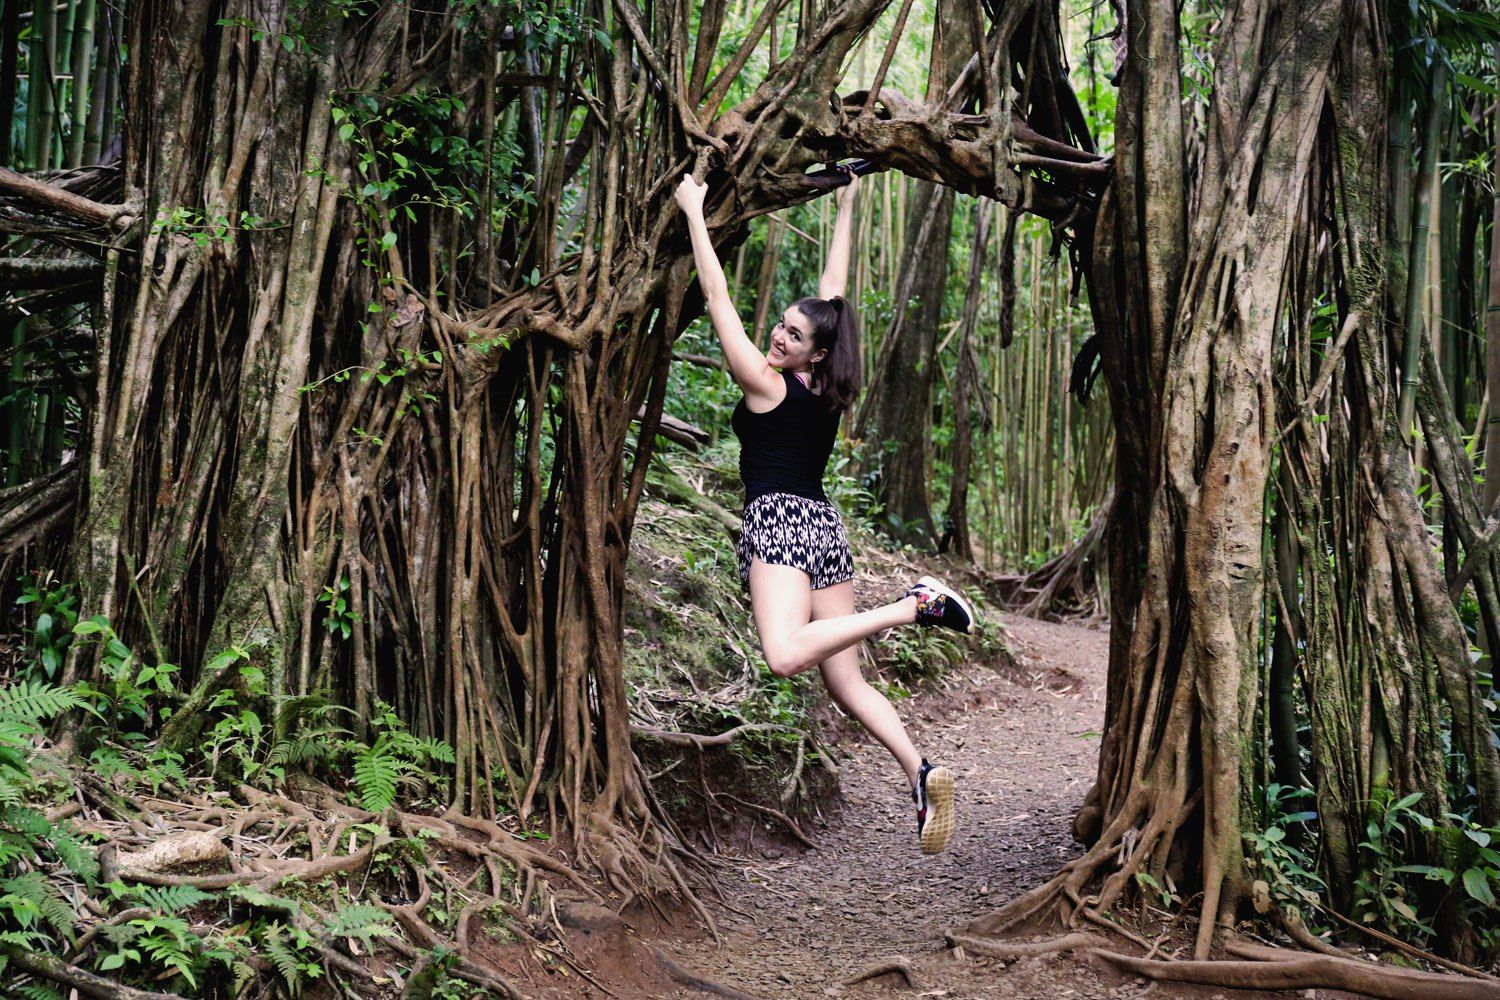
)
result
[(787, 530)]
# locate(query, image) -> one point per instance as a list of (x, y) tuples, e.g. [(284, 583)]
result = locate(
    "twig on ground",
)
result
[(717, 739), (787, 821)]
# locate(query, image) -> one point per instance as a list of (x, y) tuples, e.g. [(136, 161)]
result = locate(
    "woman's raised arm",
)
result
[(746, 363), (836, 271)]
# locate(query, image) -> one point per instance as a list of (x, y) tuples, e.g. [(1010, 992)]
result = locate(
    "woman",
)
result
[(793, 553)]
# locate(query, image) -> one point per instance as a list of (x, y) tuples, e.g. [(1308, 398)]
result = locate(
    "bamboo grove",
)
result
[(338, 334)]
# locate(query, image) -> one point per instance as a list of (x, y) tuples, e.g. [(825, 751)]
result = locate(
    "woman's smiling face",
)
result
[(792, 343)]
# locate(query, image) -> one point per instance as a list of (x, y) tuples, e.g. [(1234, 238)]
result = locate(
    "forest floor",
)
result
[(1024, 744)]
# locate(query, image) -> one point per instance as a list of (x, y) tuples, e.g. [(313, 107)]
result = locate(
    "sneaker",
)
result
[(934, 798), (937, 606)]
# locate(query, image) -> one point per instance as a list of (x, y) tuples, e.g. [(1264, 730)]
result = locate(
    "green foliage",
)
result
[(395, 757), (51, 613), (362, 922), (292, 951), (30, 900), (337, 616), (130, 688), (1289, 871), (28, 840), (1384, 886)]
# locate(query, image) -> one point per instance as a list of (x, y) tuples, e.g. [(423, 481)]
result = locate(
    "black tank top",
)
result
[(785, 450)]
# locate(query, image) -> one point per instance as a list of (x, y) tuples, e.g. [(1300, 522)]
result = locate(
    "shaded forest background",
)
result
[(336, 340)]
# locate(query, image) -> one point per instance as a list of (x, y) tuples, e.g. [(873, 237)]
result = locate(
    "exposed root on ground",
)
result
[(1010, 951), (86, 983), (475, 868), (898, 964), (694, 981), (1064, 586), (1254, 966), (1280, 969)]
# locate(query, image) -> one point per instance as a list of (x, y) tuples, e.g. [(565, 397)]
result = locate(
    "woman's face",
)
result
[(792, 343)]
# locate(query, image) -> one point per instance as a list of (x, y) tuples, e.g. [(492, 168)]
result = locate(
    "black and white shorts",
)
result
[(787, 530)]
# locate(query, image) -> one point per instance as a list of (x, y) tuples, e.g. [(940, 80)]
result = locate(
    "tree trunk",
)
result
[(965, 392)]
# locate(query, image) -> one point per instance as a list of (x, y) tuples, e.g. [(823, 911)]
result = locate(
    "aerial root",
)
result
[(776, 814), (896, 963), (612, 847)]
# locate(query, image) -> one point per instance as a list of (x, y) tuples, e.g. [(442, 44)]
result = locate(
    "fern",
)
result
[(172, 898), (376, 771), (32, 701), (362, 922), (74, 854), (35, 992), (282, 947), (30, 899), (433, 748), (171, 947)]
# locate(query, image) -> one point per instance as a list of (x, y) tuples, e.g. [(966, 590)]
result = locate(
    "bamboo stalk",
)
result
[(39, 108), (83, 52), (1492, 334), (10, 54), (1416, 288)]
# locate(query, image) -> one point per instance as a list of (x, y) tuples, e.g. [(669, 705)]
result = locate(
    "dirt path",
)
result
[(1024, 748)]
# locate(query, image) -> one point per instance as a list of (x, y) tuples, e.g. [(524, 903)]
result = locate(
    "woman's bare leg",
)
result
[(853, 693), (781, 598)]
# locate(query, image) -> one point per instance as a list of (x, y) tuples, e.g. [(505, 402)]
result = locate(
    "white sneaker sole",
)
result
[(952, 595), (938, 829)]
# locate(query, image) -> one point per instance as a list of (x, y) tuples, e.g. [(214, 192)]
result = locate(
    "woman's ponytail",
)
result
[(835, 330)]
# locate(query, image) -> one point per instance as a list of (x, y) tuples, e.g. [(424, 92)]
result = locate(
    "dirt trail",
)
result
[(1024, 748)]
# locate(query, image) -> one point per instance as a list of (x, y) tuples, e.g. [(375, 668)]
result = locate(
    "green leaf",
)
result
[(1432, 872), (346, 131), (1477, 885), (1407, 801)]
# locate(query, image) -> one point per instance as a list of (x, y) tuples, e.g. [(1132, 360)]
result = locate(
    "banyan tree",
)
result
[(379, 302)]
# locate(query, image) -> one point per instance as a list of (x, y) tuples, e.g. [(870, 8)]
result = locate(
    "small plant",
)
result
[(1288, 870), (32, 909), (1383, 893), (335, 599), (394, 758), (131, 687), (51, 630)]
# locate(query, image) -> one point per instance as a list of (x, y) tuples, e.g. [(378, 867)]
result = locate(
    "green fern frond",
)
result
[(435, 749), (13, 848), (173, 898), (376, 773), (29, 940), (75, 854), (361, 921), (31, 898), (283, 957), (36, 700), (26, 821), (35, 992)]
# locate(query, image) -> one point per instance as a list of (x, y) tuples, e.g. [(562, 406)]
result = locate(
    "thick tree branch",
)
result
[(50, 197)]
